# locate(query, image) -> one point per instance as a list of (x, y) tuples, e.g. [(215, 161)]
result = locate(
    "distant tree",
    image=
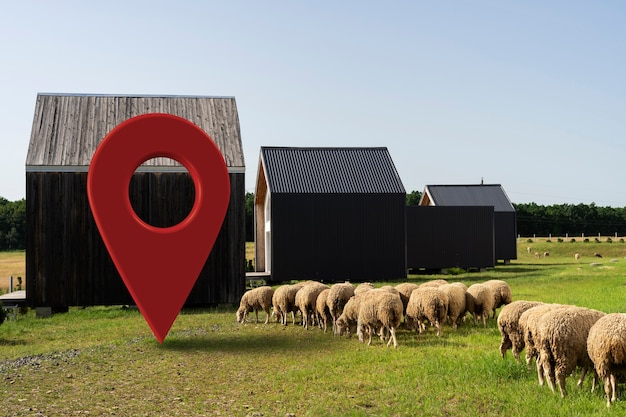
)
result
[(413, 198), (12, 224), (249, 217)]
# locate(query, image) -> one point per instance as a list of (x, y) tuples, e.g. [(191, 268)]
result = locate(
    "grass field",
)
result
[(104, 361), (12, 264)]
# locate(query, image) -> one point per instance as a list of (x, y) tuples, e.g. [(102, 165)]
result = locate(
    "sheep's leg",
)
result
[(370, 330), (256, 313), (541, 373), (613, 381), (560, 380), (392, 337), (583, 373)]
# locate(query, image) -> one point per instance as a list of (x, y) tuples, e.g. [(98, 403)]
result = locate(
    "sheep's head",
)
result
[(341, 326), (241, 315)]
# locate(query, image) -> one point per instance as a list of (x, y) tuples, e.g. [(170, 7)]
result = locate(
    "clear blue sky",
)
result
[(527, 94)]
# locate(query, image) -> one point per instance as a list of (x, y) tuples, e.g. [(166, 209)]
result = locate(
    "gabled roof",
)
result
[(67, 128), (328, 170), (467, 195)]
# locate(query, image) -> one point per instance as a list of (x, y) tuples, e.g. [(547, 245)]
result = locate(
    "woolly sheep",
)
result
[(508, 324), (501, 293), (338, 296), (479, 299), (379, 309), (322, 310), (405, 289), (456, 303), (606, 345), (434, 283), (363, 287), (259, 298), (577, 256), (528, 324), (306, 300), (347, 321), (427, 303), (563, 344), (284, 302)]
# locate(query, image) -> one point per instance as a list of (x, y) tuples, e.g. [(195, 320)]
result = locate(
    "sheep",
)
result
[(322, 310), (259, 298), (546, 254), (562, 342), (528, 324), (577, 256), (363, 287), (405, 289), (606, 345), (501, 294), (284, 302), (597, 255), (434, 283), (338, 296), (508, 324), (537, 255), (427, 303), (480, 299), (306, 300), (529, 249), (456, 302), (379, 309), (347, 321)]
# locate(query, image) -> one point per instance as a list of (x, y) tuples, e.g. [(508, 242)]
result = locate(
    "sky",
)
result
[(527, 94)]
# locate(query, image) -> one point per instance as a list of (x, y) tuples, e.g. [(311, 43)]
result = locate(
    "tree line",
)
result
[(532, 219), (12, 224)]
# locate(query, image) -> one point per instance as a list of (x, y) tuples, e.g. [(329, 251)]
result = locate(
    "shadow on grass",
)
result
[(5, 342)]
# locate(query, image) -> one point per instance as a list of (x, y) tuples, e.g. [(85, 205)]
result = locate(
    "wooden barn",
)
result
[(329, 214), (67, 263), (491, 195), (440, 237)]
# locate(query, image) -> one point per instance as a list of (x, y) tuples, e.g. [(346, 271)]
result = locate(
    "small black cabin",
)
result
[(329, 214)]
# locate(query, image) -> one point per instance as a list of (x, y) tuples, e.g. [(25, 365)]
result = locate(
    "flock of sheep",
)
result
[(561, 338), (367, 311)]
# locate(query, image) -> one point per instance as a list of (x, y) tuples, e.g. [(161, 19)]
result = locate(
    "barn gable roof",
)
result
[(328, 170), (67, 128), (467, 195)]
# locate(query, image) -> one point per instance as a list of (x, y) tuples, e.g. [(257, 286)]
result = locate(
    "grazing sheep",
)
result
[(508, 324), (434, 283), (480, 299), (338, 296), (457, 302), (501, 294), (427, 303), (528, 324), (562, 343), (405, 289), (382, 310), (322, 310), (529, 249), (577, 256), (546, 254), (537, 255), (347, 321), (363, 287), (259, 298), (284, 302), (606, 345), (306, 301), (596, 254)]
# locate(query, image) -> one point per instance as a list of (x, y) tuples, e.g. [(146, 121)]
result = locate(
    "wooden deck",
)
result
[(15, 297)]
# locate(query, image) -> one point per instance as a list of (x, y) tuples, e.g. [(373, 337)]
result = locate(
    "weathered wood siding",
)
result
[(67, 263)]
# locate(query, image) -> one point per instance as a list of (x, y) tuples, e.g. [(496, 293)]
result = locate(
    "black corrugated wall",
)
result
[(335, 237), (441, 237)]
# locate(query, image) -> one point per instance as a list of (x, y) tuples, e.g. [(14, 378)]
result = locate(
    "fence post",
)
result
[(11, 283)]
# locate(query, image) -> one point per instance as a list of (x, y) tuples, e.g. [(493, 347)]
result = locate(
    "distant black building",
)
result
[(490, 195), (440, 237), (329, 214)]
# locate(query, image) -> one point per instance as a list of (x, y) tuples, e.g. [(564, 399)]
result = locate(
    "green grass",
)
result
[(105, 360)]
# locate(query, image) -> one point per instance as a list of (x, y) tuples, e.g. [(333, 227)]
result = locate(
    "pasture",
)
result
[(105, 361)]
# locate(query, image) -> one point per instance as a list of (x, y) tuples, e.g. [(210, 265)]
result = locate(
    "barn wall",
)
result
[(67, 263), (338, 237), (441, 237), (506, 235)]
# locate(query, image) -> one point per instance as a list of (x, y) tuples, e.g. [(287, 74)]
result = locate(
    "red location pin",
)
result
[(158, 265)]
